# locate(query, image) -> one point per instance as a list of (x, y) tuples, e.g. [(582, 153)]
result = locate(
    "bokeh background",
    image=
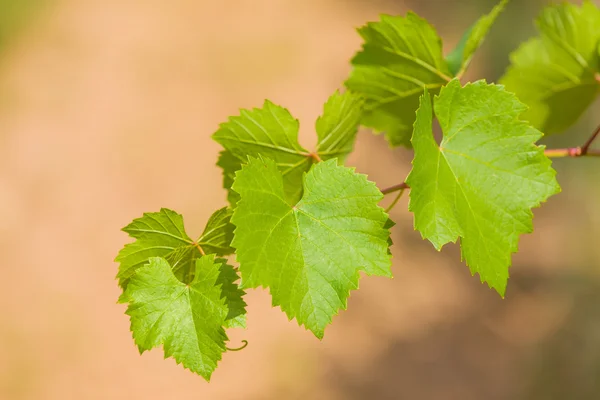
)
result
[(106, 111)]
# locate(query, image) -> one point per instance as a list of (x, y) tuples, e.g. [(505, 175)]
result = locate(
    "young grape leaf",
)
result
[(270, 131), (337, 127), (158, 234), (233, 294), (481, 182), (186, 319), (557, 74), (460, 58), (162, 234), (273, 132), (229, 164), (218, 234), (309, 254), (389, 225), (400, 56)]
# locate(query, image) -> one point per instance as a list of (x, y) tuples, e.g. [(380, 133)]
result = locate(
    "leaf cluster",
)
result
[(304, 226)]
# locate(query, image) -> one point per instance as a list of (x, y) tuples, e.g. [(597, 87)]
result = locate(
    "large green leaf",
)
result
[(556, 74), (186, 319), (460, 58), (309, 253), (482, 180), (400, 57), (272, 132)]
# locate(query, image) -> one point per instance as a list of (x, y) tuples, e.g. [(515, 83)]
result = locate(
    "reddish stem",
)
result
[(586, 147), (551, 153), (395, 188)]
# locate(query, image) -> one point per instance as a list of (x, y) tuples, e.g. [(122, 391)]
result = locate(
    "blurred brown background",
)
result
[(106, 111)]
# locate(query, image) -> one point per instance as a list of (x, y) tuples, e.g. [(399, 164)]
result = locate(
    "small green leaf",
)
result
[(186, 319), (218, 234), (389, 225), (400, 57), (162, 234), (555, 74), (337, 127), (481, 182), (229, 163), (272, 132), (234, 295), (309, 254), (159, 234), (459, 59)]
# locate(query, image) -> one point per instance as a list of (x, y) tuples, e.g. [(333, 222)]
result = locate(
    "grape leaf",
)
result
[(400, 56), (218, 234), (556, 74), (481, 182), (338, 126), (186, 319), (162, 234), (389, 225), (270, 131), (309, 254), (273, 132), (229, 164), (157, 234), (460, 58), (233, 294)]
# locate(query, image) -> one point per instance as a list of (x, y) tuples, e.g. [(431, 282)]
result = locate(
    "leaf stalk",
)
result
[(580, 151)]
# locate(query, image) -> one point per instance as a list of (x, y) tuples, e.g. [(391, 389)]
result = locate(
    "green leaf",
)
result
[(309, 254), (556, 73), (459, 59), (218, 234), (338, 126), (159, 234), (14, 15), (272, 132), (162, 234), (186, 319), (400, 57), (481, 182), (233, 294), (389, 225), (229, 163)]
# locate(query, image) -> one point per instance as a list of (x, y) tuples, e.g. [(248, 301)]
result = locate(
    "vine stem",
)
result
[(571, 152), (400, 193), (585, 149), (581, 151), (392, 189), (315, 157)]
